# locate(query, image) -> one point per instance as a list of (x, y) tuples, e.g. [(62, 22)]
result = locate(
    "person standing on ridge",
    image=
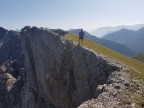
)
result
[(81, 36)]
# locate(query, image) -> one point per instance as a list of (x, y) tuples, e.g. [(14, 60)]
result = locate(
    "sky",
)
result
[(66, 14)]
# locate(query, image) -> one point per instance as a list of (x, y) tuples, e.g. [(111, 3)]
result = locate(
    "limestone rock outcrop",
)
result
[(51, 72), (59, 74)]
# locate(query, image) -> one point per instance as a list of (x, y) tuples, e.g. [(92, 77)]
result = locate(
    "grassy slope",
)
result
[(134, 64), (139, 57)]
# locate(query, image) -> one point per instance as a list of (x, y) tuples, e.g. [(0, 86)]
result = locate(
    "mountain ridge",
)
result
[(132, 39), (100, 32)]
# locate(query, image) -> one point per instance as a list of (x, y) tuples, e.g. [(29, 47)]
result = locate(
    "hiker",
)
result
[(81, 36)]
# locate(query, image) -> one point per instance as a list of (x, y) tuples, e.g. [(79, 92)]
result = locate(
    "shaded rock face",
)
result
[(3, 93), (10, 89), (11, 68), (11, 57), (2, 32), (59, 74)]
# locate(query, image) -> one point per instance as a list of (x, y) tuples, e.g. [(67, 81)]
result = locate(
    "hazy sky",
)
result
[(65, 14)]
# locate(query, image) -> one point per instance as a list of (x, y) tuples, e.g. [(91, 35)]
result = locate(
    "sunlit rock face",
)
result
[(58, 73), (51, 72)]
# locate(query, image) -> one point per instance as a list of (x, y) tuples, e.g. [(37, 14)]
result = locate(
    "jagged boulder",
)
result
[(59, 74)]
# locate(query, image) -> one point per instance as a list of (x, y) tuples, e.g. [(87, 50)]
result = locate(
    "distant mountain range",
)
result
[(132, 39), (107, 43), (100, 32)]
